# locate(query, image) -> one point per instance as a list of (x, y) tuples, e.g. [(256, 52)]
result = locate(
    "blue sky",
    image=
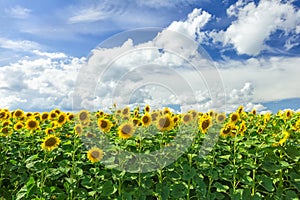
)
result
[(45, 44)]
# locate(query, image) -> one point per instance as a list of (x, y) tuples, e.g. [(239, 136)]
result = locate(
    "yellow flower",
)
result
[(126, 111), (234, 117), (146, 119), (18, 126), (78, 129), (95, 154), (147, 109), (32, 124), (221, 117), (62, 118), (205, 123), (126, 130), (18, 113), (44, 116), (226, 130), (83, 116), (240, 109), (49, 131), (50, 142), (165, 123), (104, 125), (187, 118)]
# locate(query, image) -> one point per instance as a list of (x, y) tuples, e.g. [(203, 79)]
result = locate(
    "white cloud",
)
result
[(196, 20), (256, 23), (18, 45), (50, 55), (18, 12), (88, 15), (39, 84)]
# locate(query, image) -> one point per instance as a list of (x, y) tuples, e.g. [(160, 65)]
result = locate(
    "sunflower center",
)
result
[(19, 126), (95, 154), (2, 115), (186, 118), (234, 117), (145, 119), (78, 129), (4, 130), (61, 119), (226, 130), (125, 111), (50, 142), (44, 116), (18, 113), (83, 116), (32, 124), (103, 124), (164, 122), (205, 124), (220, 118), (126, 129)]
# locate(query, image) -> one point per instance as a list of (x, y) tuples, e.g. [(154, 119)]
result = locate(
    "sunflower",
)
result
[(3, 115), (226, 130), (253, 112), (29, 114), (136, 121), (70, 116), (32, 124), (234, 117), (288, 114), (221, 117), (125, 111), (49, 131), (176, 119), (126, 130), (18, 126), (78, 129), (165, 123), (167, 111), (242, 128), (6, 123), (57, 111), (95, 154), (62, 118), (154, 116), (50, 143), (52, 115), (187, 118), (240, 109), (44, 116), (136, 113), (147, 109), (205, 123), (194, 113), (104, 125), (83, 116), (233, 131), (18, 113), (146, 119), (5, 131)]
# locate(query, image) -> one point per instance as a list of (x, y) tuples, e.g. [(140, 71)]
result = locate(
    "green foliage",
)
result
[(258, 164)]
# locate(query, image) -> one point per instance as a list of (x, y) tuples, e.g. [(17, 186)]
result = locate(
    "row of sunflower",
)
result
[(70, 138)]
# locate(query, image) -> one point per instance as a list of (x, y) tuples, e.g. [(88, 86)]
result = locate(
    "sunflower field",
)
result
[(64, 155)]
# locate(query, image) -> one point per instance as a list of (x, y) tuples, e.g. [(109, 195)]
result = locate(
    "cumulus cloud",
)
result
[(39, 84), (54, 55), (255, 23)]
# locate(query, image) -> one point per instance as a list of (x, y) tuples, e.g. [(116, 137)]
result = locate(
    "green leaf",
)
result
[(291, 195), (188, 172), (163, 190), (266, 182), (220, 187), (108, 188), (178, 190)]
